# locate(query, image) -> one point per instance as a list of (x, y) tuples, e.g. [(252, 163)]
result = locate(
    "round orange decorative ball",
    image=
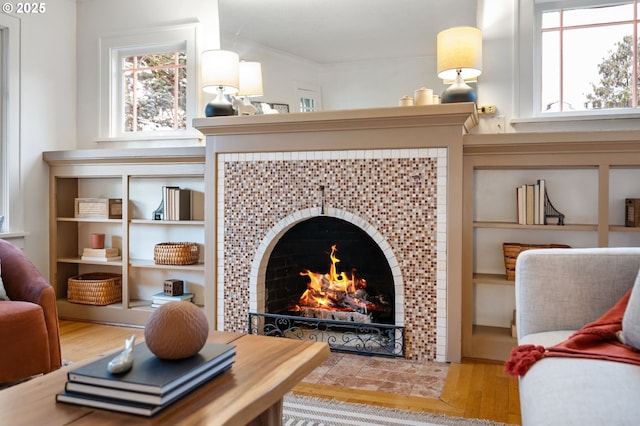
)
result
[(176, 330)]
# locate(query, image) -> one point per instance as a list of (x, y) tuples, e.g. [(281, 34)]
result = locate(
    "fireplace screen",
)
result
[(328, 268)]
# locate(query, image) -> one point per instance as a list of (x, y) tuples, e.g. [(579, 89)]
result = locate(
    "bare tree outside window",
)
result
[(155, 92)]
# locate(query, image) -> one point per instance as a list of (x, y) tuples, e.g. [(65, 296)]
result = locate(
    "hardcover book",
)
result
[(147, 398), (161, 297), (151, 374), (101, 259), (104, 252), (109, 403)]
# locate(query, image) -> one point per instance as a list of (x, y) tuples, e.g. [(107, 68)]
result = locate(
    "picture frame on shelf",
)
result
[(271, 108)]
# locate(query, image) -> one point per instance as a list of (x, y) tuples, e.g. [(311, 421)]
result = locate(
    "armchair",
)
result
[(29, 333)]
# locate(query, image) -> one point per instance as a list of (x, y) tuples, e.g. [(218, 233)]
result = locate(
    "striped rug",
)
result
[(306, 411)]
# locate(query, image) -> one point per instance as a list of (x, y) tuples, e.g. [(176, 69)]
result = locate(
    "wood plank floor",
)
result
[(474, 389)]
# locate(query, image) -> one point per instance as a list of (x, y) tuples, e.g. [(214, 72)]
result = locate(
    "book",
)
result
[(101, 259), (151, 374), (176, 203), (109, 403), (161, 297), (529, 196), (104, 252), (158, 303), (522, 204), (167, 201), (184, 204), (542, 199), (147, 398)]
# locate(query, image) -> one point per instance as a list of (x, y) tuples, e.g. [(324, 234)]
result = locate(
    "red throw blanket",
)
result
[(596, 340)]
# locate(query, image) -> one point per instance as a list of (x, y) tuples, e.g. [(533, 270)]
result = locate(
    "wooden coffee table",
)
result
[(251, 392)]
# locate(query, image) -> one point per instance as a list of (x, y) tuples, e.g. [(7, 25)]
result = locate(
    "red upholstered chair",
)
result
[(29, 332)]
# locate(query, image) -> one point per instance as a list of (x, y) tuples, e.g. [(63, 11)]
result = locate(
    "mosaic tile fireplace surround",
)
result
[(397, 196), (401, 197)]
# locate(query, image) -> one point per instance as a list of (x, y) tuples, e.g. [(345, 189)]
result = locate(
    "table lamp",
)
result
[(220, 75), (459, 52), (250, 85)]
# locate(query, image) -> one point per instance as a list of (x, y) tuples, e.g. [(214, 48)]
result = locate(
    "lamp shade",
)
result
[(220, 69), (250, 79), (459, 50)]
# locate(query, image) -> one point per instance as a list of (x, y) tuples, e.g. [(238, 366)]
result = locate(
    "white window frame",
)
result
[(113, 48), (308, 91), (527, 78), (12, 200)]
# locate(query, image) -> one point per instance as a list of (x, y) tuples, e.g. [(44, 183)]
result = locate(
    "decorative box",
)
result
[(99, 208), (632, 212), (173, 287)]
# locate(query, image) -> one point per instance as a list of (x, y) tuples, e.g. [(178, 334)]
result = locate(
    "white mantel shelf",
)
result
[(459, 114)]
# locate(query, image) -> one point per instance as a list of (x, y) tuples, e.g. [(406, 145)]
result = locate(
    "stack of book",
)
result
[(531, 200), (160, 299), (152, 383), (176, 203), (101, 255)]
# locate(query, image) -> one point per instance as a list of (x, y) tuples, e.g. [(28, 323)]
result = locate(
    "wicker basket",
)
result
[(512, 250), (95, 288), (175, 253)]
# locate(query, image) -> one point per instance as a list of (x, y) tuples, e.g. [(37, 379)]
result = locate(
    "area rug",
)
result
[(307, 411)]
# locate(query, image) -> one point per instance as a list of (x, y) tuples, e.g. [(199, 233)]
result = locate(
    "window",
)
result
[(10, 194), (589, 58), (155, 92), (148, 84), (308, 97), (568, 67)]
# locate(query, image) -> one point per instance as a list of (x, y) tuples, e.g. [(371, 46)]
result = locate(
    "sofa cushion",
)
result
[(631, 318), (575, 391), (546, 338)]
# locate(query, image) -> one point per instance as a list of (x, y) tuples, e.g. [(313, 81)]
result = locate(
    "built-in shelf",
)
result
[(588, 174), (551, 227), (138, 178), (496, 279)]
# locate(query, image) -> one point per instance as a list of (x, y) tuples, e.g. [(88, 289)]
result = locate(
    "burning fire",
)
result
[(334, 290)]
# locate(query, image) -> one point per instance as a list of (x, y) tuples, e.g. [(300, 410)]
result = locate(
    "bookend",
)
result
[(550, 211), (157, 213)]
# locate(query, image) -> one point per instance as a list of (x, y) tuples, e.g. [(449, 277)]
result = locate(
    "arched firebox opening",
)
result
[(326, 267)]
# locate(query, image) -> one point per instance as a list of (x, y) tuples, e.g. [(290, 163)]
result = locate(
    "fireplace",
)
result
[(325, 267), (396, 198), (393, 173)]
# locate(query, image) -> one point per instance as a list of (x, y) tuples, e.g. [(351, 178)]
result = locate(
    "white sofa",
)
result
[(557, 292)]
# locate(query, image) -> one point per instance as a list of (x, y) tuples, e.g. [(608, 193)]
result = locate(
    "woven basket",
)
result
[(95, 288), (512, 250), (175, 253)]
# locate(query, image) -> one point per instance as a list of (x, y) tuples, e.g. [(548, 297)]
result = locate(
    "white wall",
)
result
[(381, 83), (97, 18), (280, 71), (376, 83), (47, 111)]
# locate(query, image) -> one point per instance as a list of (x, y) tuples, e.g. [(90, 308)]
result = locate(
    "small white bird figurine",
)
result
[(124, 361)]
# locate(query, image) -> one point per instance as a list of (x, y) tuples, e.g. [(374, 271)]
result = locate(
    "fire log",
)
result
[(335, 315)]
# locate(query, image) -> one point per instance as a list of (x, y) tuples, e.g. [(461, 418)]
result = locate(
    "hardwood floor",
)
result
[(474, 389)]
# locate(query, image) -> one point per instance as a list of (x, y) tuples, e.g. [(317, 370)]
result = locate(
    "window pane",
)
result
[(550, 20), (598, 15), (602, 78), (155, 92), (156, 60), (550, 97)]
